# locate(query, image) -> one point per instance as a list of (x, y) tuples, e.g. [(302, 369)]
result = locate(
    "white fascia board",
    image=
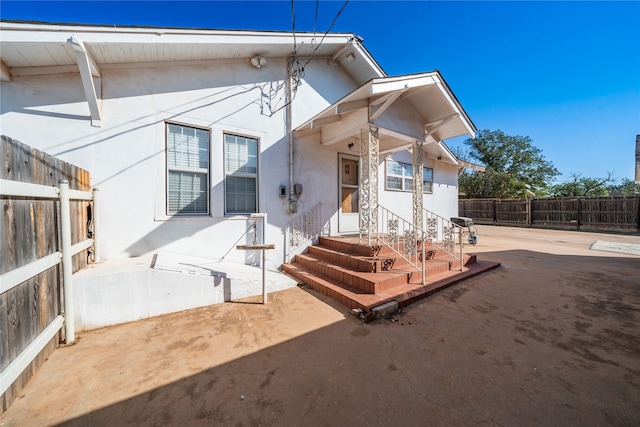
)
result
[(447, 152), (464, 119), (390, 84), (15, 26), (12, 32)]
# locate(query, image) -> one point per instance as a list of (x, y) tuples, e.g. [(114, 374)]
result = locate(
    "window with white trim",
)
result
[(399, 177), (241, 174), (187, 170)]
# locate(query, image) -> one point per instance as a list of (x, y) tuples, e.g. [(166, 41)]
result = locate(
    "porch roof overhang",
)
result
[(30, 48), (403, 108), (462, 165)]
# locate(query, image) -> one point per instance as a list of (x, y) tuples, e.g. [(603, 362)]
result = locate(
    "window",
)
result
[(400, 177), (427, 180), (241, 174), (187, 170)]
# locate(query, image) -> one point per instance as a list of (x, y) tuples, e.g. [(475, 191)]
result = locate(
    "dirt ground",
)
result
[(550, 338)]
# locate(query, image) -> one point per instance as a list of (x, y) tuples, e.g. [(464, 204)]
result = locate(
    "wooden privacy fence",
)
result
[(611, 213), (46, 232)]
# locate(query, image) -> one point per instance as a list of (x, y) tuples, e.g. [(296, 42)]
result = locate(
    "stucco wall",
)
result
[(126, 156)]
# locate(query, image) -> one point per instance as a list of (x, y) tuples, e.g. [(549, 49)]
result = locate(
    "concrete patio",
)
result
[(550, 338)]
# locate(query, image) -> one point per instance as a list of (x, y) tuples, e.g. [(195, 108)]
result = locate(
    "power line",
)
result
[(326, 32), (293, 26), (315, 20), (298, 73)]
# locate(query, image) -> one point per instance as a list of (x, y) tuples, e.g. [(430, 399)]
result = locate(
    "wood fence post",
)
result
[(529, 212), (579, 215), (495, 216)]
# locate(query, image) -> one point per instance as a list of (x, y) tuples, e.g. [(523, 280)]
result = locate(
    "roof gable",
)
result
[(405, 108)]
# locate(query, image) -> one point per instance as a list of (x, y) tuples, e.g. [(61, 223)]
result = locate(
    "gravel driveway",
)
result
[(550, 338)]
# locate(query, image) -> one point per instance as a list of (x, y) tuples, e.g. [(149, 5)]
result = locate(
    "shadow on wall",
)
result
[(267, 96), (180, 227), (273, 172), (175, 228), (175, 111)]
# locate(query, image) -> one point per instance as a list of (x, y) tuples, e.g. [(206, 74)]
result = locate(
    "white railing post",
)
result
[(461, 248), (96, 226), (67, 271), (264, 259), (424, 236)]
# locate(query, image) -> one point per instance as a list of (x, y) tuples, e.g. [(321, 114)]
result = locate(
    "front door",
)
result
[(348, 178)]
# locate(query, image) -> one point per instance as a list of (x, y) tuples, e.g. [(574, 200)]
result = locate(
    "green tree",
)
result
[(513, 166), (581, 186), (477, 185), (627, 187)]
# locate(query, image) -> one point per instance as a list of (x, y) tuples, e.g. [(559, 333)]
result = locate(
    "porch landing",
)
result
[(364, 276)]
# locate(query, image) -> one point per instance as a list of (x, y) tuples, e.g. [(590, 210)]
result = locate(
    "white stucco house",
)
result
[(188, 132)]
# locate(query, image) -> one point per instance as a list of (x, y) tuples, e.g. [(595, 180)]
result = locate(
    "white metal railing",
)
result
[(402, 236), (443, 234), (13, 278), (304, 230)]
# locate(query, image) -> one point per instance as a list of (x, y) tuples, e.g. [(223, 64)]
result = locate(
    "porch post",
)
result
[(417, 184), (368, 198)]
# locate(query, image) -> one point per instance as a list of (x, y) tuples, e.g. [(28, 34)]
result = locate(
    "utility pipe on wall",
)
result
[(67, 271), (288, 114)]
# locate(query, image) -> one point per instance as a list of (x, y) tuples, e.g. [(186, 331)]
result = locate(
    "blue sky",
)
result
[(566, 74)]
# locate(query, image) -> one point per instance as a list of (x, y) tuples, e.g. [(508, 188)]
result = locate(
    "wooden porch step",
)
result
[(431, 267), (364, 275), (344, 294), (367, 282), (354, 262), (350, 245), (454, 263), (405, 294)]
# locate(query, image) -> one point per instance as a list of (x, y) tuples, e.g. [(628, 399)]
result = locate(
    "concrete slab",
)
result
[(550, 338), (126, 290), (623, 248)]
